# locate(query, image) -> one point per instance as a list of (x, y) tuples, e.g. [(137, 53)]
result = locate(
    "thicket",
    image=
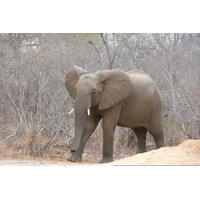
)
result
[(34, 103)]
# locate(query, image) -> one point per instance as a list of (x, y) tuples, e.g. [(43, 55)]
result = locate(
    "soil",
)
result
[(187, 153)]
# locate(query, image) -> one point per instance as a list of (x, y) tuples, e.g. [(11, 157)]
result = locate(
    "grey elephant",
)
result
[(127, 99)]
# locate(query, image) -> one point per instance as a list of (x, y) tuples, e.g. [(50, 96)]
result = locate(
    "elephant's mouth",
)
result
[(73, 151)]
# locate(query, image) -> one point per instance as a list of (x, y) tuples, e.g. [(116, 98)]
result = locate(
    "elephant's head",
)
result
[(103, 89)]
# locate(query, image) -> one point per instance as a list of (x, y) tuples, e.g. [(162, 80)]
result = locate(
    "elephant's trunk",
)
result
[(81, 106), (79, 120)]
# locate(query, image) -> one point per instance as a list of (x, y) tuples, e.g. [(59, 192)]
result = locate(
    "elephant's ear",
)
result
[(72, 78), (117, 86)]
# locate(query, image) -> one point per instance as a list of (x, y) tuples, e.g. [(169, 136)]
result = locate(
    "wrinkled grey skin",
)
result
[(127, 99)]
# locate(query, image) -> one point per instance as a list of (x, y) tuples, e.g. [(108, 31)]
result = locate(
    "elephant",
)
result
[(127, 99)]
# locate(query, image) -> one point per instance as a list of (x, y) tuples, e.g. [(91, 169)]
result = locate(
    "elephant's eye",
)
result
[(94, 92)]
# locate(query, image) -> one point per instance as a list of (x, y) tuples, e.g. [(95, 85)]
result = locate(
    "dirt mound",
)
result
[(187, 153)]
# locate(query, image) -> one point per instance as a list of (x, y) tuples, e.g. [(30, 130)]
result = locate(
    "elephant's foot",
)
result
[(105, 160), (141, 150), (74, 158)]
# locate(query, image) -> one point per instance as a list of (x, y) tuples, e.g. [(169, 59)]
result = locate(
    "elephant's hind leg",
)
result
[(159, 141), (158, 136), (141, 133)]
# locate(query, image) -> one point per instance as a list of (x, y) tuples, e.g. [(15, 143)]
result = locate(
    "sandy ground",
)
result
[(187, 153)]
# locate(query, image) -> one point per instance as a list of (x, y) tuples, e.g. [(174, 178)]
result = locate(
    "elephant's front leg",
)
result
[(107, 144), (90, 125), (108, 126)]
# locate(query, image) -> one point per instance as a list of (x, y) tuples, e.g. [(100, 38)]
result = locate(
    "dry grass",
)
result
[(32, 145)]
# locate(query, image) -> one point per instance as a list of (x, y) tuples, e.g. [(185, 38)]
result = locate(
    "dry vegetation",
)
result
[(34, 104)]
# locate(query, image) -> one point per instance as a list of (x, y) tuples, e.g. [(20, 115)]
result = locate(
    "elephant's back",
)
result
[(143, 85), (144, 90), (139, 106), (139, 75)]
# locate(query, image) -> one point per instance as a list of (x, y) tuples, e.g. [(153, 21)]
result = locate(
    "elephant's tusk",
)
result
[(88, 112), (71, 111)]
